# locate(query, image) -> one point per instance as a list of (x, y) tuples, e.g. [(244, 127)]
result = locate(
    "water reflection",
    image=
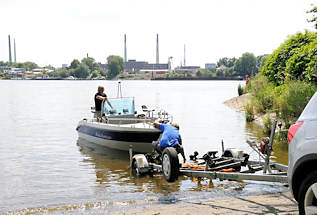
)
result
[(112, 168), (112, 171), (255, 132)]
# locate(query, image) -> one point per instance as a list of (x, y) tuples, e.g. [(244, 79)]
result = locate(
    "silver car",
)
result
[(302, 162)]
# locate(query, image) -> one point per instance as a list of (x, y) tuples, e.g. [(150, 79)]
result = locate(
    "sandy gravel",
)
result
[(280, 203), (239, 102)]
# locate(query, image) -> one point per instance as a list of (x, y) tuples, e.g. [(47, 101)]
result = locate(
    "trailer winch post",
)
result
[(223, 146), (270, 148), (130, 154)]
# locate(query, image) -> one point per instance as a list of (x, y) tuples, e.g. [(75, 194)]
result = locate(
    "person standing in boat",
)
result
[(170, 138), (100, 96)]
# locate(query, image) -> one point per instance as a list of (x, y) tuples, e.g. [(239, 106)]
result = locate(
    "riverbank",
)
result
[(279, 203), (197, 78), (238, 103), (138, 79)]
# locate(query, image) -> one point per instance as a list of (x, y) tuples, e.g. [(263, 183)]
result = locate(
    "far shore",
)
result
[(150, 79), (198, 78)]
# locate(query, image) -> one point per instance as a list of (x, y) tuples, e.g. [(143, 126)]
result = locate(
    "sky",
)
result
[(54, 32)]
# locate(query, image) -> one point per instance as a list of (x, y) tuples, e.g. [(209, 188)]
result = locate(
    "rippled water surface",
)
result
[(46, 169)]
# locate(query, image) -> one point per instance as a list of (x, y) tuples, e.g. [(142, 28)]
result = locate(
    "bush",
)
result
[(304, 64), (292, 59), (249, 113), (267, 123), (294, 95), (262, 94), (240, 90)]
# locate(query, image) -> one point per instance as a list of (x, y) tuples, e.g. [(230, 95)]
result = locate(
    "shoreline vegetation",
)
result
[(152, 79), (283, 87), (115, 69), (197, 78)]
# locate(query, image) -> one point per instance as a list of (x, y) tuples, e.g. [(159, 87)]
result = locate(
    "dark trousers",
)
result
[(159, 149)]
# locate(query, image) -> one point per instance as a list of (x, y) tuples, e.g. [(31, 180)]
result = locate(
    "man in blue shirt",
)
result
[(170, 138)]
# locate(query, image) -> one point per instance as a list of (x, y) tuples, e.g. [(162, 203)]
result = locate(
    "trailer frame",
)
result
[(143, 166)]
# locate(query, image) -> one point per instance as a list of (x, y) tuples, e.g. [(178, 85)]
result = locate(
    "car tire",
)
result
[(307, 196), (170, 164)]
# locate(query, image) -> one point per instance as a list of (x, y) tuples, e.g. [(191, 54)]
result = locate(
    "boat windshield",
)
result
[(121, 106)]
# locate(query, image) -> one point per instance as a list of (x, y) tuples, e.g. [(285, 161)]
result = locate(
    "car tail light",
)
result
[(292, 130)]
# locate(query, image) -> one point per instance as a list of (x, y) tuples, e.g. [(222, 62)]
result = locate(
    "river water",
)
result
[(46, 169)]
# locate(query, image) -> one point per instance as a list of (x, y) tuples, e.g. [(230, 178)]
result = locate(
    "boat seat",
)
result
[(112, 111)]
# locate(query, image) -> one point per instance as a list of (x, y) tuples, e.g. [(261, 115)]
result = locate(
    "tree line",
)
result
[(247, 64), (89, 68), (86, 68)]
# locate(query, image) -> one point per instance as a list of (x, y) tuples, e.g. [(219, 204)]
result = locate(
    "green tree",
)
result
[(246, 65), (90, 62), (49, 67), (212, 70), (220, 72), (30, 65), (303, 65), (260, 60), (3, 63), (290, 61), (82, 71), (225, 71), (227, 62), (95, 74), (115, 66), (63, 73), (199, 73), (74, 64)]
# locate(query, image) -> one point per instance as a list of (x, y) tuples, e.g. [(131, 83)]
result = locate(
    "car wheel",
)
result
[(170, 164), (307, 203)]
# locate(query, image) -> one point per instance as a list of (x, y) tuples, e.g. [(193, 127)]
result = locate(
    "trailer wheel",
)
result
[(170, 164), (307, 199)]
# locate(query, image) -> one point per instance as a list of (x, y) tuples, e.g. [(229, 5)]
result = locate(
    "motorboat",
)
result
[(121, 127)]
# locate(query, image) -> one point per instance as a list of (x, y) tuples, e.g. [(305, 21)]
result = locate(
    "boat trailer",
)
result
[(233, 164)]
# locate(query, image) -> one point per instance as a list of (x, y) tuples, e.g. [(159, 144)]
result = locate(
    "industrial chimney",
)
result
[(157, 50), (15, 56), (184, 55), (125, 48), (10, 57)]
